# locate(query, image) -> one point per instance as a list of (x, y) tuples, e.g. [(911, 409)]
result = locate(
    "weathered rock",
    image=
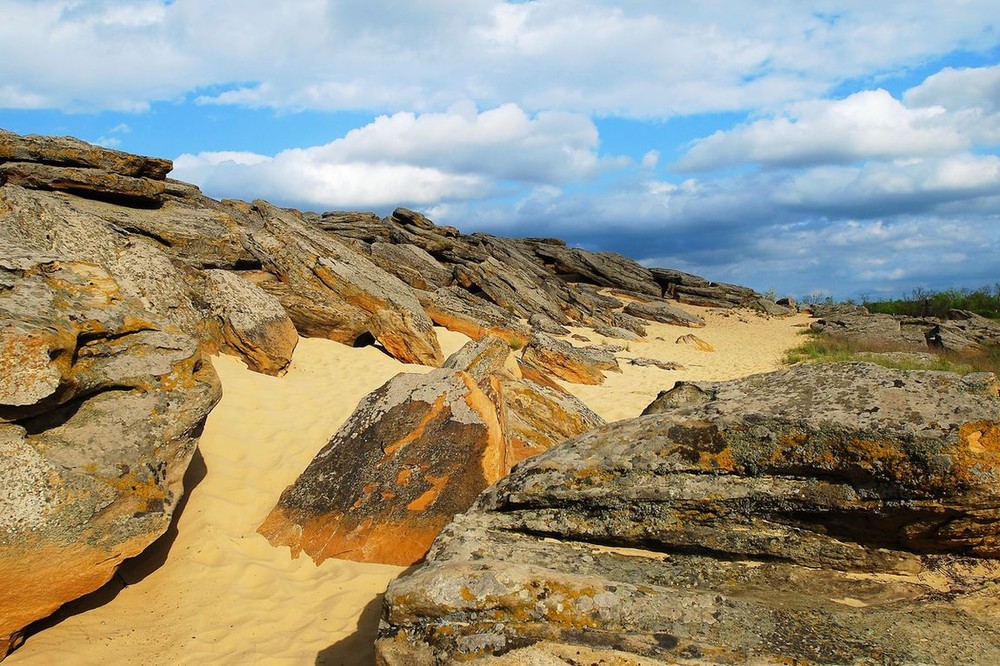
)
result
[(694, 341), (330, 291), (753, 522), (877, 330), (664, 313), (768, 306), (604, 269), (254, 325), (417, 451), (458, 310), (563, 360), (70, 152), (695, 290), (87, 182), (546, 324), (655, 363), (101, 405), (411, 264)]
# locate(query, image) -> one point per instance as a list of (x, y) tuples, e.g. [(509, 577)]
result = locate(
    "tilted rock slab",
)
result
[(664, 313), (833, 514), (416, 452), (333, 292), (101, 405), (563, 360)]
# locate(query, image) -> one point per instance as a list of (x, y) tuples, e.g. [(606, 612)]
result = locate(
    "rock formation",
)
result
[(101, 404), (824, 514), (961, 332), (417, 451)]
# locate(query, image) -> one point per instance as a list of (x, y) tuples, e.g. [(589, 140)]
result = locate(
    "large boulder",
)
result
[(825, 514), (101, 405), (417, 451)]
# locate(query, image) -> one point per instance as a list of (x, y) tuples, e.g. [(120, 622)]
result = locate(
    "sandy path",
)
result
[(223, 595)]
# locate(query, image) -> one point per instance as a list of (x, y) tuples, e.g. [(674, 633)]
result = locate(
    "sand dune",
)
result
[(214, 591)]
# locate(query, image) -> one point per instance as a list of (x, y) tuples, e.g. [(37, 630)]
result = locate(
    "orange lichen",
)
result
[(428, 497), (417, 432)]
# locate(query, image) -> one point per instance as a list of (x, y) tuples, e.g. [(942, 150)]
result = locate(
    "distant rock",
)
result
[(694, 341), (829, 514), (417, 451), (664, 313), (101, 405), (694, 290)]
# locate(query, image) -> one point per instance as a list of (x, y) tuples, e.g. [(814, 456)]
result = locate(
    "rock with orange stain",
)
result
[(827, 514), (563, 360), (416, 452), (100, 408), (458, 310)]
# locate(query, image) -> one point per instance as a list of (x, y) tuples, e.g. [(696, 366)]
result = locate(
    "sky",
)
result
[(829, 148)]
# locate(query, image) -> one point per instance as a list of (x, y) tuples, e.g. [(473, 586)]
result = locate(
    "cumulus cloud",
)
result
[(870, 124), (639, 59), (414, 158)]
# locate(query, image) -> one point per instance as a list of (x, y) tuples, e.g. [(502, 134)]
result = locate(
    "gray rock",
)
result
[(752, 521), (664, 313)]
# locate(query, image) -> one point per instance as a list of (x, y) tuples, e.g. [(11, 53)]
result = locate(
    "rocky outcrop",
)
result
[(459, 310), (825, 514), (962, 332), (694, 290), (101, 405), (72, 165), (417, 451), (664, 313), (333, 292)]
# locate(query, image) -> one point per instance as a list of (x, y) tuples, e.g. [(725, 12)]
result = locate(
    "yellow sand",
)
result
[(223, 595)]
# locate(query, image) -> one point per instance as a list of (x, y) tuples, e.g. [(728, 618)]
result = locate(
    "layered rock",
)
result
[(564, 361), (101, 405), (417, 451), (824, 514), (331, 291), (664, 313)]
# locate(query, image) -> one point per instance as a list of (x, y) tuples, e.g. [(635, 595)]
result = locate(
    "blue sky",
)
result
[(814, 148)]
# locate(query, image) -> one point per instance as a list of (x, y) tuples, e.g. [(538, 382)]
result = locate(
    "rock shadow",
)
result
[(358, 649)]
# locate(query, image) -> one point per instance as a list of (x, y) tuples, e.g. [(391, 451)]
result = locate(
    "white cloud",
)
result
[(867, 125), (411, 158), (639, 59)]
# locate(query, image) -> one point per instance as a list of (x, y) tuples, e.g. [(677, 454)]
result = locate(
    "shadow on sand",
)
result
[(359, 648)]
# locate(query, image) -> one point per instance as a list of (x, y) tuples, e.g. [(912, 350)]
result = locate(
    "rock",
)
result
[(695, 290), (655, 363), (683, 394), (788, 302), (411, 264), (754, 523), (768, 306), (877, 330), (69, 152), (254, 325), (417, 451), (694, 341), (540, 322), (101, 404), (664, 313), (330, 291), (563, 360), (85, 182), (612, 332), (458, 310), (605, 269)]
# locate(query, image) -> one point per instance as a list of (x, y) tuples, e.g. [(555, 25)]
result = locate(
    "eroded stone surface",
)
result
[(417, 451), (827, 514)]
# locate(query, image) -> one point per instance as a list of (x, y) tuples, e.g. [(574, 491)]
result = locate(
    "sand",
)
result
[(214, 591)]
